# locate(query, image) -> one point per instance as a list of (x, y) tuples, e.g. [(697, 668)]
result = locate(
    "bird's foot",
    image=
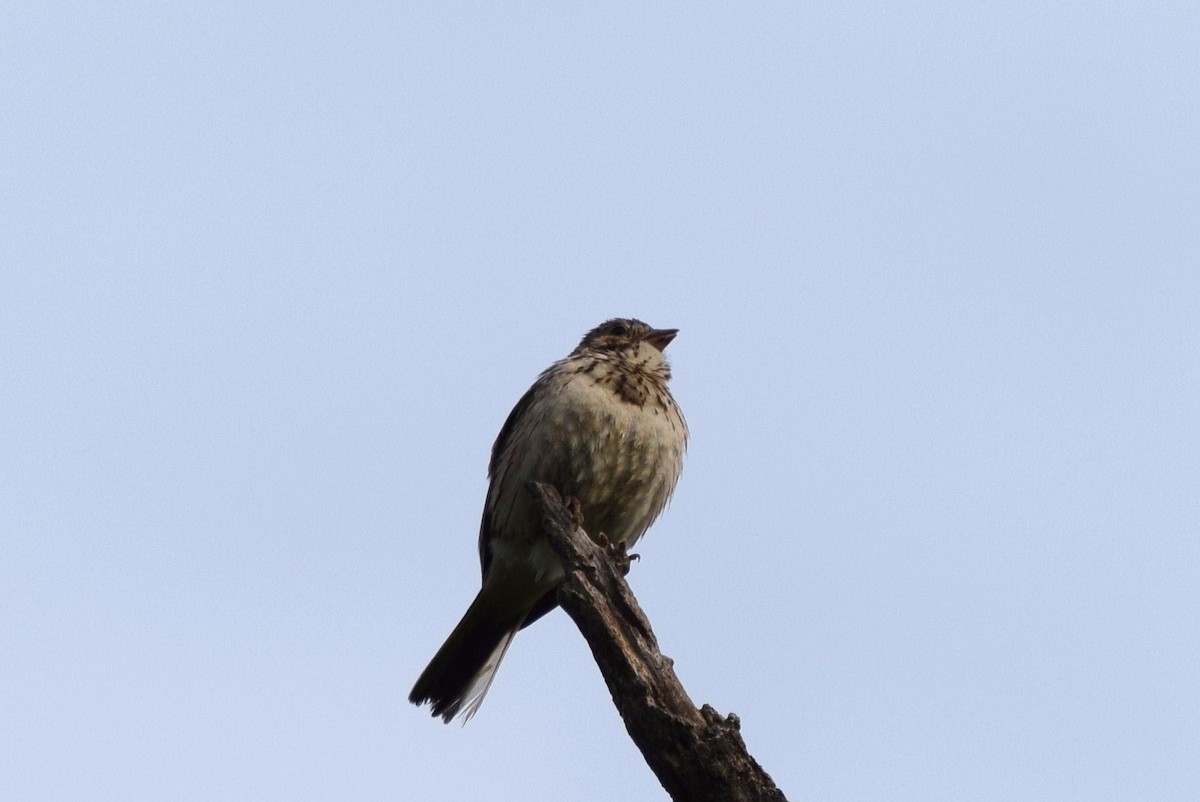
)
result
[(575, 508), (617, 553)]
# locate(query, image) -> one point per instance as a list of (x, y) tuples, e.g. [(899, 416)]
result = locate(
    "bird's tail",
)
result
[(461, 672)]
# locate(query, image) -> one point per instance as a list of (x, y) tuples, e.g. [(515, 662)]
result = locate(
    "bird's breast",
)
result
[(621, 460)]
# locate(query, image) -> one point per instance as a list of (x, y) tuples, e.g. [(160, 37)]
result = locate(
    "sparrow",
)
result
[(602, 428)]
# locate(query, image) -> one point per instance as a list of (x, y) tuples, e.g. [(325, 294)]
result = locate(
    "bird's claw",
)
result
[(617, 552), (575, 508)]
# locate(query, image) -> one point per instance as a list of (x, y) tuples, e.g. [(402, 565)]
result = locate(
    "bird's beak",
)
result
[(660, 338)]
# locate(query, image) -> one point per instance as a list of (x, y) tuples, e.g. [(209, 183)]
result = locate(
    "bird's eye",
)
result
[(619, 330)]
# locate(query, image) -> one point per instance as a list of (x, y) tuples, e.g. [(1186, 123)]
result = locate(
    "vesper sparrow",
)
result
[(600, 426)]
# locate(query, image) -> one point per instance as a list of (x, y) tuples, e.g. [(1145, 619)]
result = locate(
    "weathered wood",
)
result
[(697, 754)]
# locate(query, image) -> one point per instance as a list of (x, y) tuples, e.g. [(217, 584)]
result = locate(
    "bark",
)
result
[(697, 754)]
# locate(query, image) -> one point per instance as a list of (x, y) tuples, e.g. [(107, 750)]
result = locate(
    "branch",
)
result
[(696, 754)]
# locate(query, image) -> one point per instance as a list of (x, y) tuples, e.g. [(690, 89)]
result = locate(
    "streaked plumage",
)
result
[(600, 426)]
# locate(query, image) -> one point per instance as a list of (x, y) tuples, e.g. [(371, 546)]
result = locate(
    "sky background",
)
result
[(272, 276)]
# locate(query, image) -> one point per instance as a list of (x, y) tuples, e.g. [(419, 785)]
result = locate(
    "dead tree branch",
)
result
[(697, 754)]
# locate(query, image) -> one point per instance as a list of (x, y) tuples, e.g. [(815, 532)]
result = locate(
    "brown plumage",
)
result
[(600, 426)]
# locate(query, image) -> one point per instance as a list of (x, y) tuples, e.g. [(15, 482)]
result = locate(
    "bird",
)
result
[(601, 427)]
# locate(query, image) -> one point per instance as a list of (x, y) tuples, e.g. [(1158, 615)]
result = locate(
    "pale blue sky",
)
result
[(273, 276)]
